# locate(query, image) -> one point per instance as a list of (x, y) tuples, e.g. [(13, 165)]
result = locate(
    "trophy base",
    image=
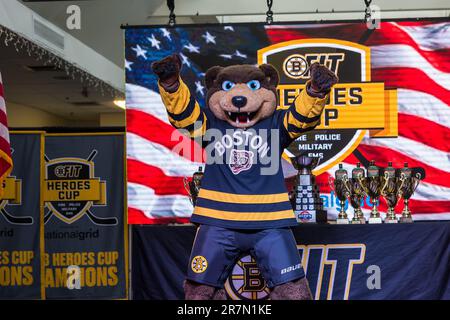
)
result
[(358, 221), (375, 220), (406, 220), (311, 216), (390, 220), (342, 221)]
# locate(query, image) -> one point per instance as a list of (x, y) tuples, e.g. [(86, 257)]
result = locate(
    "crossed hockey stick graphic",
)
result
[(96, 220)]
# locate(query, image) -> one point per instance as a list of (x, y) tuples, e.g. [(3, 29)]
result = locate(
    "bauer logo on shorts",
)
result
[(71, 190), (199, 264)]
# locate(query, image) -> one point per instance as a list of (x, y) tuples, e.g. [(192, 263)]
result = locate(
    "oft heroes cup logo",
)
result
[(356, 105)]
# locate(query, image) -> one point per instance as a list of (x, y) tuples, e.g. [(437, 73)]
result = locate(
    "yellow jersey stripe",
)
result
[(309, 106), (189, 120), (244, 216), (175, 102), (242, 198), (200, 131)]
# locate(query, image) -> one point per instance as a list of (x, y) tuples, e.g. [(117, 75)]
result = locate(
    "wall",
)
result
[(21, 116)]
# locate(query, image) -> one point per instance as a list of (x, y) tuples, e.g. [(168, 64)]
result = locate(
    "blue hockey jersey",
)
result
[(243, 184)]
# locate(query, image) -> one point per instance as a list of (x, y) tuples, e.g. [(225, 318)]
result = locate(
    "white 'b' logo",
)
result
[(295, 66)]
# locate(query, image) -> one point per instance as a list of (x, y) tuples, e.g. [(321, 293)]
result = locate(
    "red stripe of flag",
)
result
[(412, 79), (154, 178), (151, 128), (136, 216), (424, 131)]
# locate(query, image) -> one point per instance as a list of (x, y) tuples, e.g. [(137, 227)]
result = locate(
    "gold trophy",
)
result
[(341, 188), (389, 191), (357, 193), (408, 184), (372, 185), (193, 187)]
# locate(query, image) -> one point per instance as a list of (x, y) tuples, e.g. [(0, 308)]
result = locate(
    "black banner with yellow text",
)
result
[(21, 221), (85, 235)]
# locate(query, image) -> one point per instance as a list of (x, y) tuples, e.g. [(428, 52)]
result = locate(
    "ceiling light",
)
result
[(120, 103)]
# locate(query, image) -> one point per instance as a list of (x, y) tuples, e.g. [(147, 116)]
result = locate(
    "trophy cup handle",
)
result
[(186, 187), (331, 183), (402, 179), (386, 180), (345, 180), (416, 180), (361, 183)]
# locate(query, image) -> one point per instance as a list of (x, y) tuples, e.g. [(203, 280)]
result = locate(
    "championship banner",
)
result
[(21, 221), (85, 227), (390, 105), (342, 262)]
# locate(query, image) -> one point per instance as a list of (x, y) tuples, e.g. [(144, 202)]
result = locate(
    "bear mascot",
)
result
[(243, 205)]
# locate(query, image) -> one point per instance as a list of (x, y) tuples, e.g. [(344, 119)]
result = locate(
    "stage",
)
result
[(388, 261)]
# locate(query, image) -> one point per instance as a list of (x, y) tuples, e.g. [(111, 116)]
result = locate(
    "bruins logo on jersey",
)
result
[(246, 281), (199, 264), (71, 190)]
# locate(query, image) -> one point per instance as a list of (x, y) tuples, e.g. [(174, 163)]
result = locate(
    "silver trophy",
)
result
[(305, 198)]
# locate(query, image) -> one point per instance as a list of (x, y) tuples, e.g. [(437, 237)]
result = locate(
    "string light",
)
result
[(48, 58)]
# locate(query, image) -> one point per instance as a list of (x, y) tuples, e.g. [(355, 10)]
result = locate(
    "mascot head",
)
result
[(242, 95)]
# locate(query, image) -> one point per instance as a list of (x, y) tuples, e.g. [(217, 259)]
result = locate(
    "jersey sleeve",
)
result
[(302, 116), (184, 111)]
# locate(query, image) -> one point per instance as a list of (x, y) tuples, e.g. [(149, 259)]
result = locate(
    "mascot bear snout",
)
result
[(242, 95)]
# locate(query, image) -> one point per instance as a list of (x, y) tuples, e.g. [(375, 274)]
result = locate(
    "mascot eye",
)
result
[(254, 84), (227, 85)]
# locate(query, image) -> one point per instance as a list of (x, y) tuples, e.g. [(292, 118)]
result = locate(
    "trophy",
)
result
[(341, 187), (372, 185), (193, 187), (408, 184), (305, 198), (358, 191), (389, 190)]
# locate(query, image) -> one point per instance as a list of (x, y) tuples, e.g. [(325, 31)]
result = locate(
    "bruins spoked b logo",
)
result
[(199, 264), (246, 281), (71, 190), (295, 66)]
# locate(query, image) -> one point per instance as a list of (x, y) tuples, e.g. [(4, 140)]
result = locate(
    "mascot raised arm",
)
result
[(243, 204)]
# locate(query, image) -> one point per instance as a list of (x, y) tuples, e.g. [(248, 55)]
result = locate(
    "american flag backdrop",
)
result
[(5, 148), (413, 57)]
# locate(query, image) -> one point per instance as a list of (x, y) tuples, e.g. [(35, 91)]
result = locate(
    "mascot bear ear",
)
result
[(211, 75), (271, 74)]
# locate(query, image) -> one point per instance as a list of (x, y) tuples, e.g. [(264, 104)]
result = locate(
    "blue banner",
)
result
[(375, 262)]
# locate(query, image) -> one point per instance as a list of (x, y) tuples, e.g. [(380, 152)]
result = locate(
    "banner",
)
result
[(390, 104), (21, 221), (85, 227), (369, 262)]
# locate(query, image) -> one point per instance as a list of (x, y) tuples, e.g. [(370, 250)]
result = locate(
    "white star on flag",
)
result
[(228, 28), (166, 33), (209, 37), (198, 87), (192, 48), (185, 60), (242, 55), (128, 65), (139, 52), (226, 56), (155, 42)]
